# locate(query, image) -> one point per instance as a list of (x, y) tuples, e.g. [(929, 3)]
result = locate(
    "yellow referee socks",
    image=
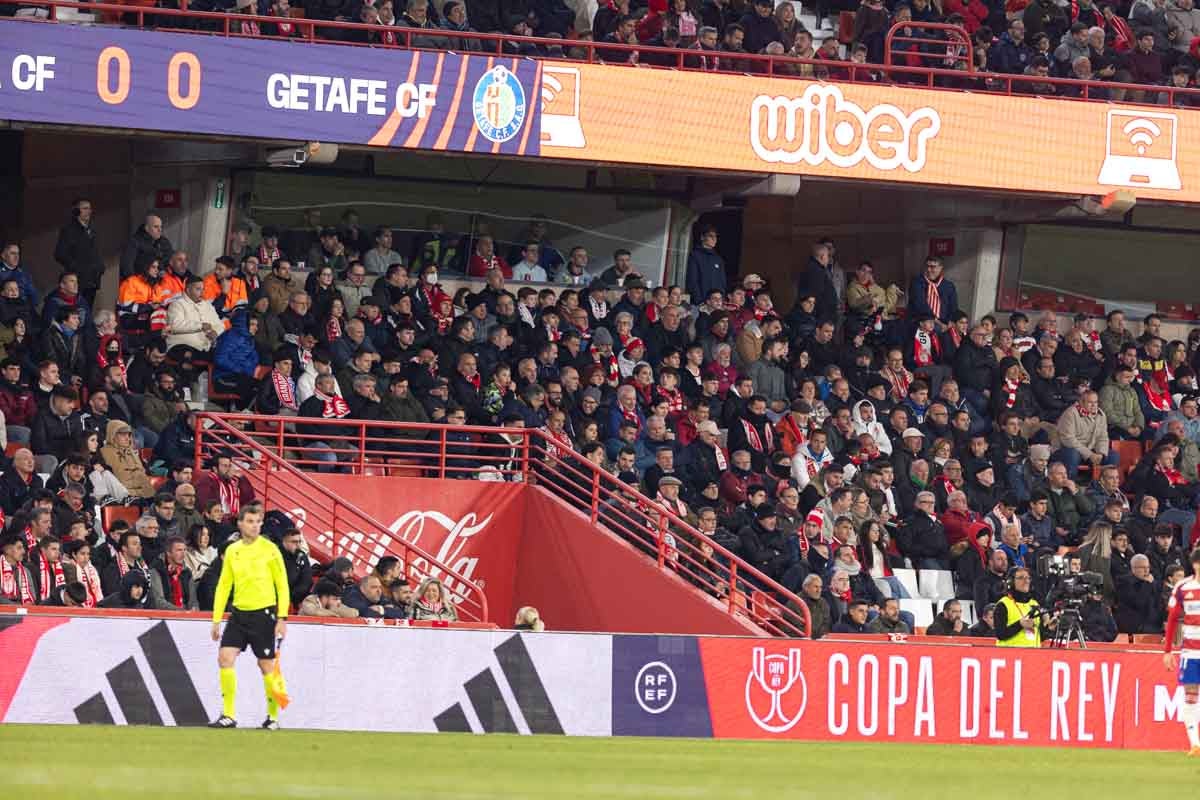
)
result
[(269, 686), (228, 692)]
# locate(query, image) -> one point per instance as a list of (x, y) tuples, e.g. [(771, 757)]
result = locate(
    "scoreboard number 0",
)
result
[(113, 78)]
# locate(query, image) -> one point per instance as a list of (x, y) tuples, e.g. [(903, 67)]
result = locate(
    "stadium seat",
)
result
[(922, 611), (157, 481), (12, 448), (936, 584), (110, 514), (968, 612), (1128, 454), (908, 579), (883, 586)]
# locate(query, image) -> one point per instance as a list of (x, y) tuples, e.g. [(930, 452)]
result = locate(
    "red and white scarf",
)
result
[(231, 496), (123, 566), (90, 579), (933, 297), (612, 370), (1083, 412), (46, 584), (9, 580), (599, 309), (335, 406), (30, 542), (1173, 476), (285, 390), (249, 28), (333, 329), (899, 382), (268, 256), (475, 380), (1159, 399), (926, 348), (756, 441), (799, 434), (676, 405), (946, 484), (552, 334), (556, 443), (676, 506), (1010, 393), (632, 416), (719, 454), (175, 580)]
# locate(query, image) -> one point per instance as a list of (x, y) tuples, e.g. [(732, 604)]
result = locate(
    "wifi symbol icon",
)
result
[(1141, 133), (1141, 150)]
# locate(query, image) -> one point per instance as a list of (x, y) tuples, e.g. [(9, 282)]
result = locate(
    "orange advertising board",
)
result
[(868, 131)]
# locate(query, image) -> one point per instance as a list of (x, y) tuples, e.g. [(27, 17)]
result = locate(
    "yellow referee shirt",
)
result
[(256, 575)]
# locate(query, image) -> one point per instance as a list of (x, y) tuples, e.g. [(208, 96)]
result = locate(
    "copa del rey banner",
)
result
[(472, 527), (904, 692)]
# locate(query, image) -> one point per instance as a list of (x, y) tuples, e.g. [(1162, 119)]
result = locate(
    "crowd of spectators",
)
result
[(1147, 42), (867, 428)]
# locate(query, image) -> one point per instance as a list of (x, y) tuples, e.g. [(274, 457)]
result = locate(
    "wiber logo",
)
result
[(822, 126)]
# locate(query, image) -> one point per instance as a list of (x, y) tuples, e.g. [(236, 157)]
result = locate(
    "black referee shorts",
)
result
[(253, 629)]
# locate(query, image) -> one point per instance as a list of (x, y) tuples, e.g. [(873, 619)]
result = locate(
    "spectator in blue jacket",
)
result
[(235, 358), (1011, 54), (933, 293), (11, 269), (66, 294), (366, 597), (705, 268)]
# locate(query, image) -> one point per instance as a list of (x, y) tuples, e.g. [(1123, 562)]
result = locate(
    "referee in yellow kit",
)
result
[(253, 569)]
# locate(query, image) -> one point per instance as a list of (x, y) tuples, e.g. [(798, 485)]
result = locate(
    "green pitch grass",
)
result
[(96, 763)]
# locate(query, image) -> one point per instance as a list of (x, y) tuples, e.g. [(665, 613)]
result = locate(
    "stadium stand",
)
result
[(888, 452)]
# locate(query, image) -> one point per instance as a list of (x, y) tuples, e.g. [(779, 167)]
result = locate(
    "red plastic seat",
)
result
[(110, 514)]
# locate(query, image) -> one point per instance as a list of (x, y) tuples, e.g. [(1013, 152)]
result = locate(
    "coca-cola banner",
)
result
[(473, 528)]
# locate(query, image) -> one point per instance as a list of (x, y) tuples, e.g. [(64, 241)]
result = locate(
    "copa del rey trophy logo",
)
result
[(776, 692)]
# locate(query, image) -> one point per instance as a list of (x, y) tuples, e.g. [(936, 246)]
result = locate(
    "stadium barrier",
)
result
[(156, 672)]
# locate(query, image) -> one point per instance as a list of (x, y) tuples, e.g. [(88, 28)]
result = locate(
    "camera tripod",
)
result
[(1069, 629)]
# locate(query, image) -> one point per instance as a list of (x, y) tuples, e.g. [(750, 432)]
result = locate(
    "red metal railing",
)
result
[(949, 43), (515, 454), (318, 31), (341, 528)]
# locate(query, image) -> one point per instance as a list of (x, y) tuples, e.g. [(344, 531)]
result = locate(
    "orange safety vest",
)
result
[(237, 292)]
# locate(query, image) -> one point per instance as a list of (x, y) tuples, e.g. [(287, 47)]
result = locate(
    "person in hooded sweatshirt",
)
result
[(123, 459), (866, 421), (134, 592)]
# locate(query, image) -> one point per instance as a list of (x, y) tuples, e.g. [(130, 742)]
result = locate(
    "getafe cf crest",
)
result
[(499, 105)]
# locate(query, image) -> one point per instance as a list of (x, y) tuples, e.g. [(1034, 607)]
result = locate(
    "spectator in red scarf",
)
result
[(485, 258), (16, 585), (46, 569), (78, 568), (934, 294), (325, 404), (171, 584), (128, 559), (222, 483)]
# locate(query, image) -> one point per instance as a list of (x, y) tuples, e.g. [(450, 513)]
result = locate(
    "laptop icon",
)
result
[(560, 107), (1141, 150)]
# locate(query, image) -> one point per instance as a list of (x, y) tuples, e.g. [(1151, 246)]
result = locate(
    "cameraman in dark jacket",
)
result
[(1097, 621)]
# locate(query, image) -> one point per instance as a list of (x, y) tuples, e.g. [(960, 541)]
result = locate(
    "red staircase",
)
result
[(331, 526), (276, 458)]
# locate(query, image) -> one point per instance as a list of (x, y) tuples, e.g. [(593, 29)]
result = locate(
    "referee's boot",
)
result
[(270, 724), (223, 722)]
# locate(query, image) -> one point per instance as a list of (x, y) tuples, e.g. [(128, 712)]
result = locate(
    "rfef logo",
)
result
[(823, 126), (654, 688), (499, 105), (776, 692)]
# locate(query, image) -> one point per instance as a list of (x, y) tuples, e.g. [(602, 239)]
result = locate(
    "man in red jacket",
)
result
[(16, 402)]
